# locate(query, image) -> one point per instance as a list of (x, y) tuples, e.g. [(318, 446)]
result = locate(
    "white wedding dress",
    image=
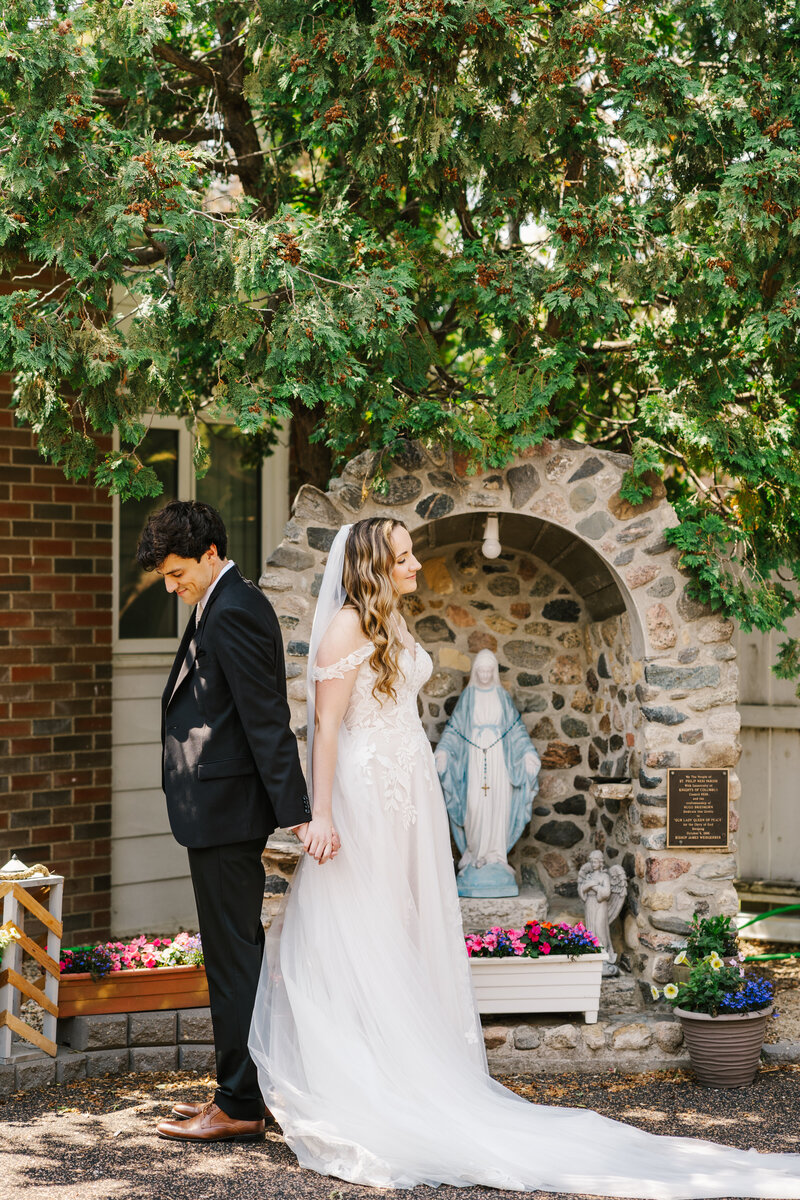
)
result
[(365, 1032)]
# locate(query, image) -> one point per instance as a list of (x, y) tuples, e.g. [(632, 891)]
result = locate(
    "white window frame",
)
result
[(274, 514)]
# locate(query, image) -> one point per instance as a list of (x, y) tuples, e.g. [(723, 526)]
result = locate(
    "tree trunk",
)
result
[(309, 462)]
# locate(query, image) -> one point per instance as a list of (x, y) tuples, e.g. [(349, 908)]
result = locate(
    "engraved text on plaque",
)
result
[(697, 809)]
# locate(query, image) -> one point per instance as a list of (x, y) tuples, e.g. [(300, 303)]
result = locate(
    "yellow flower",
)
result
[(8, 934), (680, 958), (670, 991), (654, 992), (716, 964)]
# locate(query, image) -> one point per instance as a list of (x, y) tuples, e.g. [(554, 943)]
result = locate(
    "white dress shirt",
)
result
[(204, 601)]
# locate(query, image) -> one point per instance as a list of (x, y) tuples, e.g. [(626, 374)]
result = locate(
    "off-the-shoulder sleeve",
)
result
[(339, 669)]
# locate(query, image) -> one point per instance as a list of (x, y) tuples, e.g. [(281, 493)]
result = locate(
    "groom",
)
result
[(231, 774)]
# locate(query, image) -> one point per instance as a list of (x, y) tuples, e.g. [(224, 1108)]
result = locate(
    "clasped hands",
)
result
[(319, 838)]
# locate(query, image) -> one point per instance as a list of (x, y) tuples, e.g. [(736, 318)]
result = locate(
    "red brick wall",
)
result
[(55, 676)]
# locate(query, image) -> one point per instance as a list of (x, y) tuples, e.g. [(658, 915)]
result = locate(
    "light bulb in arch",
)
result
[(491, 538)]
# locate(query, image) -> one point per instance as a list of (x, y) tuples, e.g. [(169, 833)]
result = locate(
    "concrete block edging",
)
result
[(115, 1043)]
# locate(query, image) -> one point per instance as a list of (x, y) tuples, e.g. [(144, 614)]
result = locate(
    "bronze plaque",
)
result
[(697, 809)]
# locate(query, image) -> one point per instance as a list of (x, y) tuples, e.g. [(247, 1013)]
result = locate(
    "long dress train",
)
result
[(365, 1031)]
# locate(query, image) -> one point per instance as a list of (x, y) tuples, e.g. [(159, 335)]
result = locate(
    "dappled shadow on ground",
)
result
[(95, 1140)]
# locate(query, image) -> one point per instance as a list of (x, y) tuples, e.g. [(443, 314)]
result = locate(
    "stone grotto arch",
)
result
[(617, 671)]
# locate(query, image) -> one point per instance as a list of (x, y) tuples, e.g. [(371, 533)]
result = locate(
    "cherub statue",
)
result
[(603, 891), (488, 769)]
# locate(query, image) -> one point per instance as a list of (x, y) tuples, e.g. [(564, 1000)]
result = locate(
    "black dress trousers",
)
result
[(229, 891)]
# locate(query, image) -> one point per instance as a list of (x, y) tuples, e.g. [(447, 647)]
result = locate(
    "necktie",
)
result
[(188, 662)]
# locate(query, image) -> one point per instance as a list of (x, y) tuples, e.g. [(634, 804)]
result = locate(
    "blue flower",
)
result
[(755, 993)]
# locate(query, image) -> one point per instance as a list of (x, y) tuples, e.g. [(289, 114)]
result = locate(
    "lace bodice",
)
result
[(384, 738), (366, 711), (343, 666)]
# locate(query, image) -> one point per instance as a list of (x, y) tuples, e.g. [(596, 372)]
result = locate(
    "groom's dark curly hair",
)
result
[(184, 527)]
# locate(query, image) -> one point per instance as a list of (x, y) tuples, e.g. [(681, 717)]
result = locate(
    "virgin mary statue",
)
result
[(489, 770)]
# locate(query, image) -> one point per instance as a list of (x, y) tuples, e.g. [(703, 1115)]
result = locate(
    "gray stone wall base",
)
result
[(781, 1052), (152, 1029), (107, 1031), (70, 1065), (35, 1073), (197, 1058), (113, 1043), (107, 1062), (627, 1040), (154, 1058), (194, 1025), (600, 1064), (149, 1041), (627, 1043)]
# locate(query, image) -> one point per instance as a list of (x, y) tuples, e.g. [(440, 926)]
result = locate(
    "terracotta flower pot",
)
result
[(724, 1051)]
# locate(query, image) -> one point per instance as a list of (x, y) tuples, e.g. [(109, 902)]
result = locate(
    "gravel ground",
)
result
[(785, 976), (94, 1140)]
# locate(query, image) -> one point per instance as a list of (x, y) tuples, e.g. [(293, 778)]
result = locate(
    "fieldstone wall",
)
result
[(560, 669), (618, 672)]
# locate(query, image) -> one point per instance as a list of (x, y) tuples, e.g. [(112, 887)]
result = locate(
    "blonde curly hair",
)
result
[(369, 559)]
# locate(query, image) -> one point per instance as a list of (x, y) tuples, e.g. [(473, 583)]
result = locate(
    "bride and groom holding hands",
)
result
[(357, 1028)]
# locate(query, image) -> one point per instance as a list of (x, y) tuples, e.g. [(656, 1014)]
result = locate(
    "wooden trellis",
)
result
[(17, 904)]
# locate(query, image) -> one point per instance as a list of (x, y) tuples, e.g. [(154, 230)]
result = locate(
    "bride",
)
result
[(365, 1032)]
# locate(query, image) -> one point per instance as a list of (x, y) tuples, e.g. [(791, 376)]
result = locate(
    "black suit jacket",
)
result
[(230, 768)]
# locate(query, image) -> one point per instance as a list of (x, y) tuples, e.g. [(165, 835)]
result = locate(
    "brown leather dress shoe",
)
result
[(211, 1124), (194, 1108)]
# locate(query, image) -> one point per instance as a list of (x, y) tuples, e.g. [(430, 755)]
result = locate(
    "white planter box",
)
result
[(550, 984)]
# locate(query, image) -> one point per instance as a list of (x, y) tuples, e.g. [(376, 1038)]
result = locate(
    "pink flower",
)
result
[(544, 948)]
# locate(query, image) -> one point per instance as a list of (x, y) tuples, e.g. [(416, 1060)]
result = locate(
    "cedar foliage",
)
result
[(484, 222)]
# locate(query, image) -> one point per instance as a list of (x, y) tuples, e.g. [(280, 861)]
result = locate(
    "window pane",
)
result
[(145, 608), (235, 491)]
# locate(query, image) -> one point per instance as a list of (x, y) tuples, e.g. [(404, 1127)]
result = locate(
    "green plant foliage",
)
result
[(485, 222), (718, 990), (711, 935)]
